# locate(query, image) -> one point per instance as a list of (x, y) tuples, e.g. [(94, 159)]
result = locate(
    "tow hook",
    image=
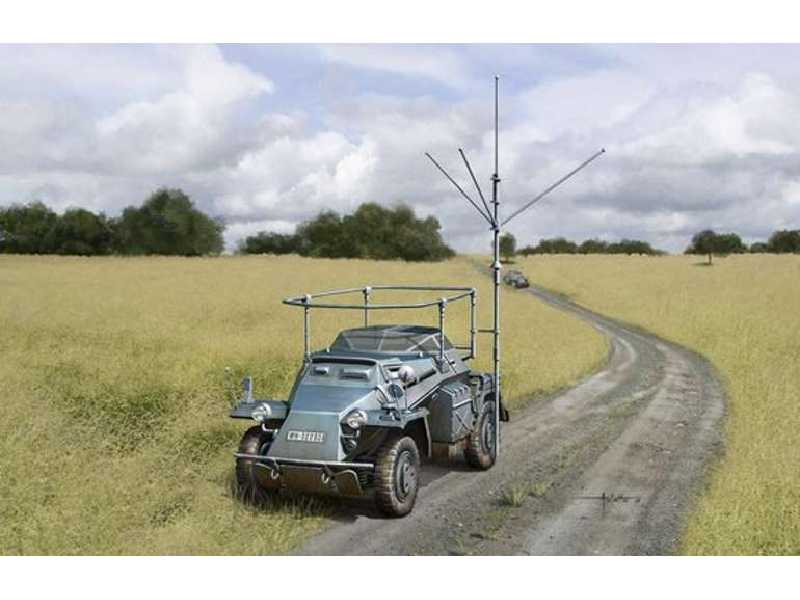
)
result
[(327, 477)]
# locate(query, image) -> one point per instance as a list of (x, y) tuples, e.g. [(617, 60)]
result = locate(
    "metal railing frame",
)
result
[(307, 302)]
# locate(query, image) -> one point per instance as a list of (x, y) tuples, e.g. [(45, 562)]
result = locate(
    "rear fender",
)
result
[(505, 416)]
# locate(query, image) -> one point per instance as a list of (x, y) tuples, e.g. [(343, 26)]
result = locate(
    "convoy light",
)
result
[(261, 413), (356, 419)]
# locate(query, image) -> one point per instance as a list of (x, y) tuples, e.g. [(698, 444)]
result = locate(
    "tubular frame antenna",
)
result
[(496, 224), (452, 294)]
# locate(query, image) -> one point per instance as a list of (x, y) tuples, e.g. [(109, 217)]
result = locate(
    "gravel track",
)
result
[(610, 466)]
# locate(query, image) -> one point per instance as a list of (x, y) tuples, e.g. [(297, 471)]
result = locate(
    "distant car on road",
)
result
[(516, 279)]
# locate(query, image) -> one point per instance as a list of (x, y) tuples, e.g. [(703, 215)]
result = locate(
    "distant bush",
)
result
[(372, 231)]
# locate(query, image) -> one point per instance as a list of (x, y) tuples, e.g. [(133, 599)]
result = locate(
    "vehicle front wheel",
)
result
[(254, 441), (480, 445), (397, 476)]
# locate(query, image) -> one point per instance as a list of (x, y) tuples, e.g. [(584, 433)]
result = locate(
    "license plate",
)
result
[(315, 437)]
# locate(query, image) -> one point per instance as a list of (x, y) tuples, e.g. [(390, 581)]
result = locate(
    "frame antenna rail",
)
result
[(453, 294)]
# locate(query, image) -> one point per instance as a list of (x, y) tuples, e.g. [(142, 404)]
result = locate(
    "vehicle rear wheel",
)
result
[(480, 445), (254, 441), (397, 476)]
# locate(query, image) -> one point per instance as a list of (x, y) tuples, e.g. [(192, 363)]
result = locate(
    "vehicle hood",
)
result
[(332, 399), (320, 409)]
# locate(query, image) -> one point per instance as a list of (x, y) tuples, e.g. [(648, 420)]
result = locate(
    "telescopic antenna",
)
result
[(496, 226), (493, 218)]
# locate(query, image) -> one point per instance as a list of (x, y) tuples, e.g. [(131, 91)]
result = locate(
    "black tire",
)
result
[(397, 476), (480, 444), (254, 441)]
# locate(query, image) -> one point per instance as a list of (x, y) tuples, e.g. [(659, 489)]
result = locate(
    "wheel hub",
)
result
[(406, 475), (487, 434)]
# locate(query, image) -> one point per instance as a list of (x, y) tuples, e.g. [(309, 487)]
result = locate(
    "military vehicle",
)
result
[(516, 279), (366, 412)]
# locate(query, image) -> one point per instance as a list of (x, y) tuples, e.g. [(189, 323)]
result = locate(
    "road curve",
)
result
[(610, 466)]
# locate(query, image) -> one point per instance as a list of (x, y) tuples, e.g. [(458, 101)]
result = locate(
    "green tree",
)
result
[(508, 246), (557, 245), (626, 246), (270, 243), (709, 243), (730, 243), (703, 242), (326, 236), (784, 241), (593, 247), (371, 231), (168, 223), (27, 229), (80, 231)]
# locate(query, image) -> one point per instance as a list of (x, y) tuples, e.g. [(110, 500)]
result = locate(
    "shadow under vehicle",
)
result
[(366, 412)]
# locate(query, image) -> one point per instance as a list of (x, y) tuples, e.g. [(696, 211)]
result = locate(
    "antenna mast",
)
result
[(496, 226), (493, 218)]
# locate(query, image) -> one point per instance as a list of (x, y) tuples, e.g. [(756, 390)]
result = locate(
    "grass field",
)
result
[(743, 314), (114, 436)]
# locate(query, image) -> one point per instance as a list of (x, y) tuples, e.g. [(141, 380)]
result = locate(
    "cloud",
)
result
[(179, 124), (695, 139), (437, 63)]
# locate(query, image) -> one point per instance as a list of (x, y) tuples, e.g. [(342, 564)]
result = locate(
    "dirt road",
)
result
[(610, 466)]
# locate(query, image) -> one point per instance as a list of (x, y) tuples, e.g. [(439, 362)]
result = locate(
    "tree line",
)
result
[(710, 243), (560, 245), (166, 223), (371, 231)]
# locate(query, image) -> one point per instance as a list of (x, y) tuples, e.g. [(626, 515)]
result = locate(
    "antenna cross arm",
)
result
[(463, 193), (477, 187), (555, 185)]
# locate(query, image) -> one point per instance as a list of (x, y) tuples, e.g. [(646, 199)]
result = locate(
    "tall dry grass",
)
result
[(743, 313), (114, 435)]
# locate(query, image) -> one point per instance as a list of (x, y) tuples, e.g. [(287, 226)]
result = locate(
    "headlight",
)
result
[(261, 413), (407, 374), (356, 419)]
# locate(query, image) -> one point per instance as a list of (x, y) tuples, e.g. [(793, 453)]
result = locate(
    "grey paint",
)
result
[(332, 384)]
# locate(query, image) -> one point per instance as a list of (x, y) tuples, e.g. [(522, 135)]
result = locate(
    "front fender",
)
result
[(244, 410)]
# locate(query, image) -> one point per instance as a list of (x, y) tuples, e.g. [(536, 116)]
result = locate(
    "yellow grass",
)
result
[(114, 436), (744, 314)]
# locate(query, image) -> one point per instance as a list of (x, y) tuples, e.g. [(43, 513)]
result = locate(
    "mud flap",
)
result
[(505, 417), (347, 483)]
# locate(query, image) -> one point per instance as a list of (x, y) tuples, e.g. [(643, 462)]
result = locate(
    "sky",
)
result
[(265, 136)]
